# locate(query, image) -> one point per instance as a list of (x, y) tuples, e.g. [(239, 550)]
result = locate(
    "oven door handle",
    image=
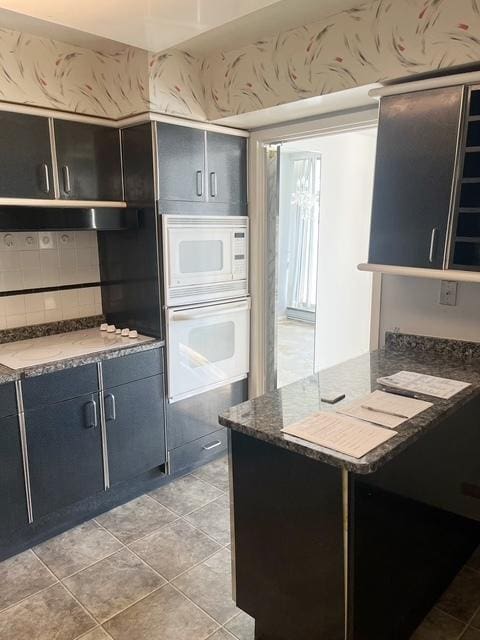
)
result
[(204, 312)]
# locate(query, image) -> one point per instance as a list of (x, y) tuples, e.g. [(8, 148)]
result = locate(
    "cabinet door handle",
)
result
[(199, 176), (110, 407), (66, 179), (213, 184), (91, 420), (213, 445), (46, 178), (433, 239)]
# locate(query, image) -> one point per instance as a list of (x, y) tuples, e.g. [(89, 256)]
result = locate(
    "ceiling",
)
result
[(201, 26)]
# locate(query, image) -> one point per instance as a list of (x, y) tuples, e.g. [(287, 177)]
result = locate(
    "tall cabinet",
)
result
[(182, 170)]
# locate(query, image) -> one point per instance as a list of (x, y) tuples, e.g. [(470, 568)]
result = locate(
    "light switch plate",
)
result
[(448, 293)]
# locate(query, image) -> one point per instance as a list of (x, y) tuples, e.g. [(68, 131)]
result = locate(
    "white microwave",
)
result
[(205, 258)]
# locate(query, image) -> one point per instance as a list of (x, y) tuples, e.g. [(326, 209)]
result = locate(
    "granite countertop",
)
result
[(264, 417), (88, 348)]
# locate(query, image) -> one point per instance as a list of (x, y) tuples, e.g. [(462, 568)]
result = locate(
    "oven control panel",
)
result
[(239, 257)]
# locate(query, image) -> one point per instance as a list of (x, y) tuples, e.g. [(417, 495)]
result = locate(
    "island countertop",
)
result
[(265, 417)]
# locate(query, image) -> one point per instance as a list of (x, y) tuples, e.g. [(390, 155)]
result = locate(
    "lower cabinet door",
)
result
[(13, 504), (135, 428), (65, 453)]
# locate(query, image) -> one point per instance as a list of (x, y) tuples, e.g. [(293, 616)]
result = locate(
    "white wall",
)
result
[(411, 305), (344, 294)]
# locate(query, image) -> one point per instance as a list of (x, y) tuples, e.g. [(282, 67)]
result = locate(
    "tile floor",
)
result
[(158, 568), (295, 351)]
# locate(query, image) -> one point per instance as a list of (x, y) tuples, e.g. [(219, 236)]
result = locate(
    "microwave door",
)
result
[(207, 346), (199, 255)]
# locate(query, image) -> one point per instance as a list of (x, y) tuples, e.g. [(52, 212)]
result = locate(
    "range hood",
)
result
[(28, 218)]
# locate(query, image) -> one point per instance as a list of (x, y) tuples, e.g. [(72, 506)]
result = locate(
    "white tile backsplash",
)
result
[(48, 259)]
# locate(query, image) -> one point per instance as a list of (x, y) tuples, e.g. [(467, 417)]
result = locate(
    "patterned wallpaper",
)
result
[(384, 39), (47, 73)]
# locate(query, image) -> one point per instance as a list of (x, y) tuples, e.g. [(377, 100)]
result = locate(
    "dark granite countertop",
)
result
[(7, 375), (68, 363), (10, 375), (264, 417)]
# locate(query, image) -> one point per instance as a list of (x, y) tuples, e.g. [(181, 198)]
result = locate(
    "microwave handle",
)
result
[(202, 312)]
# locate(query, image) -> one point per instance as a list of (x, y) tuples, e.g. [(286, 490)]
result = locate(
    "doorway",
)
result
[(321, 313)]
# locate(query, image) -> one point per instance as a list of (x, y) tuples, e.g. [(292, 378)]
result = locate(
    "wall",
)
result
[(384, 39), (411, 305), (344, 293), (46, 73), (29, 261)]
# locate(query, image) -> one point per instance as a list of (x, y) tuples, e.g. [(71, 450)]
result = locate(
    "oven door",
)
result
[(198, 255), (208, 346)]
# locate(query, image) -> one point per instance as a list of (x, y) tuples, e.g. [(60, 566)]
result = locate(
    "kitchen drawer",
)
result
[(198, 452), (8, 400), (195, 417), (136, 366), (59, 386)]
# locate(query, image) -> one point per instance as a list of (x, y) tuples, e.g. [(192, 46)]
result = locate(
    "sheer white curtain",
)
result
[(304, 210)]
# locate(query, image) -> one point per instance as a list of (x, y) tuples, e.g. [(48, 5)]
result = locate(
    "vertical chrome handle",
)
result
[(46, 178), (111, 412), (66, 179), (91, 420), (433, 238), (199, 175), (213, 184)]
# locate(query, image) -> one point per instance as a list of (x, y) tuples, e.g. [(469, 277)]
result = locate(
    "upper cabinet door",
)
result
[(25, 157), (418, 136), (227, 168), (181, 163), (88, 158)]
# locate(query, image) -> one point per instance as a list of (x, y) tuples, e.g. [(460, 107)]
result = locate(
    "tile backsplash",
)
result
[(35, 260)]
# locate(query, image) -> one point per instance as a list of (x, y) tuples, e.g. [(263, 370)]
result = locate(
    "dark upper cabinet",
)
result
[(25, 157), (227, 168), (418, 138), (89, 161), (181, 163), (65, 453), (135, 428), (201, 172), (13, 505)]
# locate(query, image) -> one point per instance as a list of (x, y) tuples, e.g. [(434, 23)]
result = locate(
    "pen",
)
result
[(400, 392), (387, 413)]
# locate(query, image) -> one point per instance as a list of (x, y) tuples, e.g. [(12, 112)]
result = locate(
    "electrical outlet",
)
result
[(448, 293)]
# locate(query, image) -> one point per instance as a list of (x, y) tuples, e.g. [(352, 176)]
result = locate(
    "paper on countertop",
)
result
[(341, 433), (382, 406), (427, 385)]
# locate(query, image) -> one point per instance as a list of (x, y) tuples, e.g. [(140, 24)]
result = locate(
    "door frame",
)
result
[(257, 197)]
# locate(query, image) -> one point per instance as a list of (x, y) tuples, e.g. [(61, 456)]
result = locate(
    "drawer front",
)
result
[(195, 417), (59, 386), (8, 400), (135, 366), (198, 452)]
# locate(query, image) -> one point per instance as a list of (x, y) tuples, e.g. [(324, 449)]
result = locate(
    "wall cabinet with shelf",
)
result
[(426, 201)]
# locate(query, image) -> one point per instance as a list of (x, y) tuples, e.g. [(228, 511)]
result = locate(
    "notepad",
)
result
[(340, 433), (385, 409), (427, 385)]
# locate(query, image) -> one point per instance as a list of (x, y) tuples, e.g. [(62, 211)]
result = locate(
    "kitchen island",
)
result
[(327, 546)]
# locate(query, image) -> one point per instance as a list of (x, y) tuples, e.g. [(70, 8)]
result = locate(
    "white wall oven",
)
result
[(205, 258), (208, 346)]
